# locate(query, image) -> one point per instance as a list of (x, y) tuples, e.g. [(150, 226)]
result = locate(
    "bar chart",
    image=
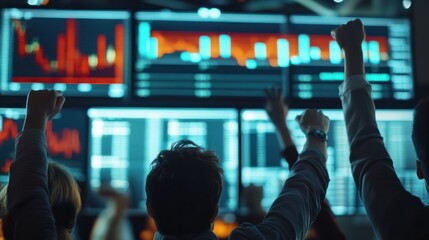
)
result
[(213, 58), (317, 68)]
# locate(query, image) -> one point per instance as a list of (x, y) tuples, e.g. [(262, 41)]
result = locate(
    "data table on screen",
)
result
[(186, 55), (124, 142), (262, 164), (83, 53), (317, 61), (65, 134)]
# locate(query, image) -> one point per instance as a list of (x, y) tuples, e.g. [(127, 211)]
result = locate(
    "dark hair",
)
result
[(64, 198), (421, 135), (183, 189)]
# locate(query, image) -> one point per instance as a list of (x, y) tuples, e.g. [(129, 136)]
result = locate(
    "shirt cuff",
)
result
[(353, 82)]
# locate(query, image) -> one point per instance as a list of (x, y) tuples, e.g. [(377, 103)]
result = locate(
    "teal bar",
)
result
[(365, 51), (251, 64), (283, 52), (205, 47), (225, 45), (334, 52), (315, 53), (304, 48), (185, 56), (260, 51), (339, 76), (153, 50), (374, 52), (144, 39)]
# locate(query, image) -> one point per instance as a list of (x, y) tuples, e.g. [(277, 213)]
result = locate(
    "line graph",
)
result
[(65, 143), (68, 59)]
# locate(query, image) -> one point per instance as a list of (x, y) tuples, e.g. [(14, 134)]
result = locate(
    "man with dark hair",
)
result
[(421, 139), (184, 188), (393, 211), (185, 183)]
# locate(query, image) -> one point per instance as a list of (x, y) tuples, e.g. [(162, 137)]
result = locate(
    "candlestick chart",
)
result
[(64, 135), (84, 56)]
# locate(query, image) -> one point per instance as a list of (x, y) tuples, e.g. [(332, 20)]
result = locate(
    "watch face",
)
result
[(321, 134)]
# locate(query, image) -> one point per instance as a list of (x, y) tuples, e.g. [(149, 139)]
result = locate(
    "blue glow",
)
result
[(334, 52), (251, 64), (225, 45), (304, 48), (195, 57), (374, 52), (260, 51), (185, 56), (153, 52), (365, 51), (315, 53), (283, 52), (205, 47), (144, 39)]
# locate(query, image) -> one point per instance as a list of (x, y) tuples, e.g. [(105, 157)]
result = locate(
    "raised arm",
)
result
[(325, 224), (277, 111), (299, 202), (392, 210), (27, 193), (112, 222)]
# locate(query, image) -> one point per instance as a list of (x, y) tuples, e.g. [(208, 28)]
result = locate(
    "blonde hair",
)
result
[(64, 198)]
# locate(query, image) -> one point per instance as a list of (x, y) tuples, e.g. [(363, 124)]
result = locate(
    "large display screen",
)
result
[(199, 55), (83, 53), (66, 138), (125, 141), (262, 164), (317, 61)]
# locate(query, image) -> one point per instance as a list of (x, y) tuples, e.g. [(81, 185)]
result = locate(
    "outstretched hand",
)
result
[(42, 106), (275, 107), (350, 35)]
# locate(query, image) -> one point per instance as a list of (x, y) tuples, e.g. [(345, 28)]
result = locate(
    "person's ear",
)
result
[(419, 170)]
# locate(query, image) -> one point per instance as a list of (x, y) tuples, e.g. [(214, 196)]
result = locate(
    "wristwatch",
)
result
[(318, 134)]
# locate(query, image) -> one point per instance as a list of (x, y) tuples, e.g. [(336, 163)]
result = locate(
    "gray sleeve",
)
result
[(27, 193), (392, 210), (298, 204)]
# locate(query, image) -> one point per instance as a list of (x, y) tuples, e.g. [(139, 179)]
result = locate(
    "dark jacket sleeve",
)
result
[(27, 194), (325, 224), (297, 205), (394, 212)]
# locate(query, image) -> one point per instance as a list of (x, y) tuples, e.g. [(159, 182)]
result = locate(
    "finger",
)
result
[(59, 103)]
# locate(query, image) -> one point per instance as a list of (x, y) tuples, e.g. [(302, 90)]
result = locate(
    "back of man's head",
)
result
[(421, 135), (183, 189)]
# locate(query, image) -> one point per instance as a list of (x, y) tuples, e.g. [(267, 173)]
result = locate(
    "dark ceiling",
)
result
[(389, 8)]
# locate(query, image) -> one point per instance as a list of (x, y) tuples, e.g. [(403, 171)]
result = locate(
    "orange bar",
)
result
[(70, 48), (61, 52), (101, 51), (119, 47), (21, 39), (84, 66)]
